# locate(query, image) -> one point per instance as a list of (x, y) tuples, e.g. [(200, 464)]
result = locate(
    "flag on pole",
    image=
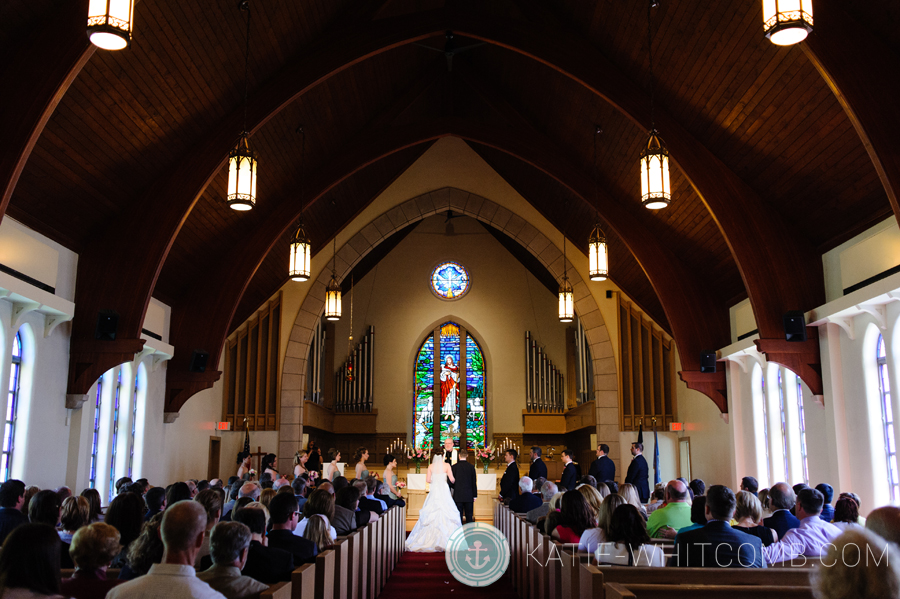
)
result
[(641, 433), (657, 477), (246, 437)]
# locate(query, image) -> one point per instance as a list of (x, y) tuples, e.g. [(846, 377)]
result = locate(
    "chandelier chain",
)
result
[(245, 6), (651, 4), (597, 133)]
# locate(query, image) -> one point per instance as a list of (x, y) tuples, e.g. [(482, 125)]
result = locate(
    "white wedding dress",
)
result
[(439, 516)]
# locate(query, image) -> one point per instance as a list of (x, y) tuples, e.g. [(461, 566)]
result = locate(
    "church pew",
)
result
[(374, 546), (554, 568), (668, 591), (279, 590), (535, 563), (594, 580), (325, 574), (362, 581), (341, 554), (353, 559), (303, 582)]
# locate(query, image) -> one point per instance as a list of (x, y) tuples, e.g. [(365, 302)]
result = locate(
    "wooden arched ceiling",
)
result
[(770, 169)]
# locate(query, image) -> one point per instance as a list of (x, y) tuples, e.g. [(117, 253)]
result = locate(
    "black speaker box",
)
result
[(107, 324), (795, 326), (198, 360), (708, 361)]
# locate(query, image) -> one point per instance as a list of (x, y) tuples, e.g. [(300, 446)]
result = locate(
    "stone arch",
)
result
[(293, 379)]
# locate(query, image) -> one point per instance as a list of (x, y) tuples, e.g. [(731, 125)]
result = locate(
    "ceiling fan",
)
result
[(450, 50)]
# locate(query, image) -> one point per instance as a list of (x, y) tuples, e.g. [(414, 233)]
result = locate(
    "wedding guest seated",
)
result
[(384, 494), (525, 500), (92, 549), (698, 517), (613, 486), (29, 563), (93, 497), (229, 548), (266, 496), (603, 489), (284, 518), (317, 532), (320, 502), (687, 486), (629, 544), (347, 515), (750, 484), (74, 513), (211, 502), (717, 545), (30, 492), (592, 537), (587, 480), (885, 522), (858, 564), (178, 492), (299, 486), (64, 493), (340, 482), (182, 530), (827, 492), (44, 508), (657, 498), (861, 521), (12, 498), (126, 513), (764, 502), (846, 514), (550, 521), (145, 551), (365, 502), (749, 515), (548, 490), (575, 517), (594, 499), (698, 487), (281, 482), (675, 515), (811, 538), (781, 501), (265, 564), (630, 493), (538, 483), (372, 483)]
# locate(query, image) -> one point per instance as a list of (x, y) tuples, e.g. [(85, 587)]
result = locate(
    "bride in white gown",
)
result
[(439, 516)]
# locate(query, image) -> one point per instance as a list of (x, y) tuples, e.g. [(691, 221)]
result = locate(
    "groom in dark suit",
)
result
[(465, 489)]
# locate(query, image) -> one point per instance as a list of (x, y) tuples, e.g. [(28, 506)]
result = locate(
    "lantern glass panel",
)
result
[(787, 22), (110, 23), (242, 170), (599, 261), (333, 302), (300, 261)]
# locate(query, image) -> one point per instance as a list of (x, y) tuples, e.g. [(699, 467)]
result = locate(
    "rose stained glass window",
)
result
[(450, 281)]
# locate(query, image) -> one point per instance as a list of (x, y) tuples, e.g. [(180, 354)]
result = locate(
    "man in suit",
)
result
[(367, 503), (465, 489), (781, 500), (230, 542), (527, 500), (284, 515), (717, 545), (265, 564), (12, 498), (603, 468), (509, 484), (451, 456), (548, 490), (538, 468), (827, 492), (639, 472), (569, 478), (382, 495)]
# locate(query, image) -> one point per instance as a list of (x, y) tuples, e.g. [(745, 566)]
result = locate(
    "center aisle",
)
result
[(426, 575)]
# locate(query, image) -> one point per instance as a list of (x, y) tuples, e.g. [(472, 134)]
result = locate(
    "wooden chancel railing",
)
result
[(353, 385), (545, 385)]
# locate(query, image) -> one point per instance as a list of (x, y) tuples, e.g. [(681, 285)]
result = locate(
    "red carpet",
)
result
[(426, 575)]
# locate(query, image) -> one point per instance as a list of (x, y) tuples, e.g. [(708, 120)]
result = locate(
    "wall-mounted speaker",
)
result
[(795, 326), (107, 324), (708, 361), (198, 361)]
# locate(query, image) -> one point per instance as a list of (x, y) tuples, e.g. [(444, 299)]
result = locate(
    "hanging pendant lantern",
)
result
[(656, 192), (566, 301), (333, 299), (301, 255), (787, 22), (598, 255), (242, 168), (110, 23)]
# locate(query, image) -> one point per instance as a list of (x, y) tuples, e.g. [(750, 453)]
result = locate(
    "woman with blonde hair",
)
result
[(748, 514), (603, 490), (552, 517), (593, 497), (75, 513), (266, 496), (93, 548), (629, 492), (858, 565), (362, 454), (318, 531), (300, 459), (593, 537)]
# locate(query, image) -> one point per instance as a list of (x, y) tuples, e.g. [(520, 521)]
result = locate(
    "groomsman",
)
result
[(603, 468), (509, 484), (638, 472), (465, 489), (538, 468), (569, 476)]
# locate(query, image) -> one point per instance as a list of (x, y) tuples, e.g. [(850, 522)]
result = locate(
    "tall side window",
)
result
[(115, 436), (784, 440), (803, 455), (12, 408), (887, 419), (137, 419), (765, 419), (95, 439)]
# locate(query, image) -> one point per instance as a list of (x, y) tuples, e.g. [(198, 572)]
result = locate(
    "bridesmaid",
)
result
[(300, 459), (243, 460), (362, 454), (390, 478), (331, 467), (268, 466)]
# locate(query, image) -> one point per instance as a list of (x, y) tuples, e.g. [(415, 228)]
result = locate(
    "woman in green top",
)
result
[(390, 479), (362, 454)]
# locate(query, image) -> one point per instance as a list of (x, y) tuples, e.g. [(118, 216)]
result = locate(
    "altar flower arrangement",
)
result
[(419, 455), (486, 454)]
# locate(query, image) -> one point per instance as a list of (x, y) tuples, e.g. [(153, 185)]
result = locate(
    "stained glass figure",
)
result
[(450, 281)]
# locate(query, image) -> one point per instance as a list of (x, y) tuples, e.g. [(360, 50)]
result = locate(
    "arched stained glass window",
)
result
[(765, 415), (115, 437), (887, 420), (134, 408), (95, 440), (12, 409), (784, 429), (450, 281), (803, 454), (443, 366)]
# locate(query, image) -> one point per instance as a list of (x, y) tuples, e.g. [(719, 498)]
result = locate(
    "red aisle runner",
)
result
[(426, 575)]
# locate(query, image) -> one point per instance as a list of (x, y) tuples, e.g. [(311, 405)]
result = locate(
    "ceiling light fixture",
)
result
[(333, 291), (598, 253), (787, 22), (242, 164), (566, 295), (656, 192), (110, 23), (301, 249)]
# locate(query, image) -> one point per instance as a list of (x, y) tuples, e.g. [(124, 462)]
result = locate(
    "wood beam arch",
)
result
[(205, 317)]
